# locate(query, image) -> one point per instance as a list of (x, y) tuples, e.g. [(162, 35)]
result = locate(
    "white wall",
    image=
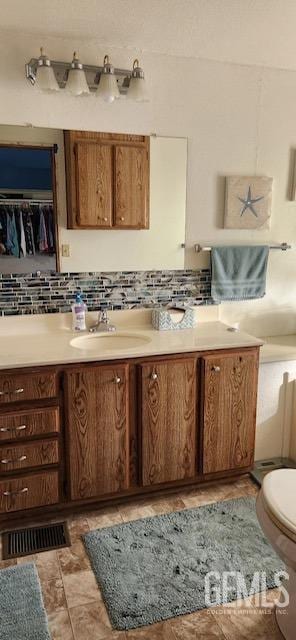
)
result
[(238, 120)]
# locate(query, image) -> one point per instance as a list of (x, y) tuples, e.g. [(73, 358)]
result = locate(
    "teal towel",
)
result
[(238, 273)]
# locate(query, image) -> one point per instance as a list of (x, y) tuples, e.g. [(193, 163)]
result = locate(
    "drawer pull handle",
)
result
[(216, 368), (117, 379), (13, 460), (22, 427), (7, 494), (10, 393), (154, 376)]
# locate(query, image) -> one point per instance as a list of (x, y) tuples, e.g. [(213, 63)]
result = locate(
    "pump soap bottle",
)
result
[(78, 313)]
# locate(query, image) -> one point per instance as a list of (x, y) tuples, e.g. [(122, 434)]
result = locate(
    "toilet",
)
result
[(276, 512)]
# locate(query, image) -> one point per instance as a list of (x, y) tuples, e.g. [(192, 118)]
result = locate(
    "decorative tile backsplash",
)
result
[(54, 292)]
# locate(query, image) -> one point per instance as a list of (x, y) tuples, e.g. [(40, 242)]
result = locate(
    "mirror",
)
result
[(32, 173)]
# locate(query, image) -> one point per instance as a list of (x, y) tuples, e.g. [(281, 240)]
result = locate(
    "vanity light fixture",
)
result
[(106, 82), (107, 87), (45, 77), (76, 82)]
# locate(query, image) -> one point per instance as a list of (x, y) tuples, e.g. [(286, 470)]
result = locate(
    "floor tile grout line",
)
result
[(66, 599), (218, 625)]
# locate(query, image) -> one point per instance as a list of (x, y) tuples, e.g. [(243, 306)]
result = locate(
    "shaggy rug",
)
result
[(22, 613), (155, 568)]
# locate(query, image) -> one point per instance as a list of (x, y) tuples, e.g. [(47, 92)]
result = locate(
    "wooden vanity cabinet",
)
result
[(31, 444), (168, 408), (229, 410), (89, 433), (98, 430), (107, 178)]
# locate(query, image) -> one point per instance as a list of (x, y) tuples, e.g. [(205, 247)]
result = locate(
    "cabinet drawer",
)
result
[(23, 424), (26, 492), (34, 454), (28, 386)]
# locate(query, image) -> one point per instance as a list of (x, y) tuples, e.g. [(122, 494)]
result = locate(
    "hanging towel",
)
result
[(238, 273)]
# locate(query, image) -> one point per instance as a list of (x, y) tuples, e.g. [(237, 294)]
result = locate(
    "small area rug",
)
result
[(154, 569), (22, 613)]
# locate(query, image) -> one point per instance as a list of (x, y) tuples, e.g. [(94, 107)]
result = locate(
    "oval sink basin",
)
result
[(114, 341)]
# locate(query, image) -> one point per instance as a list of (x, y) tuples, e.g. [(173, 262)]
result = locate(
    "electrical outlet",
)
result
[(66, 250)]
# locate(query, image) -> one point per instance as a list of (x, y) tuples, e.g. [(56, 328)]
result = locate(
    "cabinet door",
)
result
[(230, 391), (168, 420), (97, 410), (131, 187), (94, 184)]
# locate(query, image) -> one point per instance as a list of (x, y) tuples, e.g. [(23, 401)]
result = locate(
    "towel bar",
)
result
[(283, 246)]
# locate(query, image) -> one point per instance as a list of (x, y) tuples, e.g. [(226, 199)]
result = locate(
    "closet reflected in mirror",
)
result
[(28, 229)]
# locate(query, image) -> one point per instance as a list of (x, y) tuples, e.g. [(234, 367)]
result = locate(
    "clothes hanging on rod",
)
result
[(26, 229)]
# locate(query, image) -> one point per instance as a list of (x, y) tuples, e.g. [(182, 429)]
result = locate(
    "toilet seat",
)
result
[(279, 498)]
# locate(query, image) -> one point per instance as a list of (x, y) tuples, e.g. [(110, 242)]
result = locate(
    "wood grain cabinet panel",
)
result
[(94, 184), (97, 409), (29, 491), (14, 457), (107, 179), (229, 414), (131, 187), (18, 425), (169, 429), (28, 386)]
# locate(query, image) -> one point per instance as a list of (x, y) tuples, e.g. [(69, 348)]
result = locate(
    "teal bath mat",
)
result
[(22, 613), (154, 569)]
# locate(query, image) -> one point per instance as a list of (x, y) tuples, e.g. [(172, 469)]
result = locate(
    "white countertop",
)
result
[(28, 343)]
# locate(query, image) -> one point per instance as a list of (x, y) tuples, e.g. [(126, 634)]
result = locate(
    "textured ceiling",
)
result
[(260, 32)]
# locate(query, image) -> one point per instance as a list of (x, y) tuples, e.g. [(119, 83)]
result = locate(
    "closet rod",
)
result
[(23, 201)]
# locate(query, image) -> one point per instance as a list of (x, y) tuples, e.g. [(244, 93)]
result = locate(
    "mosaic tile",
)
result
[(54, 293)]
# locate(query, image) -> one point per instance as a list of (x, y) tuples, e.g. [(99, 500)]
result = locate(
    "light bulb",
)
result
[(108, 88), (45, 77), (76, 83), (137, 87)]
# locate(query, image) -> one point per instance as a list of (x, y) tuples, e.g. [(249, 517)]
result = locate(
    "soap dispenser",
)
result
[(78, 313)]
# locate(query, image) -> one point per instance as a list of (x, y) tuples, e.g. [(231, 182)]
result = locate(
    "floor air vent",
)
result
[(23, 542)]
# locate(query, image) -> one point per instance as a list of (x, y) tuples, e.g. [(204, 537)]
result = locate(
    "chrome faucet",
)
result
[(102, 324)]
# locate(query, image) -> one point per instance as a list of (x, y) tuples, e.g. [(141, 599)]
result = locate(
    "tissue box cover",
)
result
[(162, 320)]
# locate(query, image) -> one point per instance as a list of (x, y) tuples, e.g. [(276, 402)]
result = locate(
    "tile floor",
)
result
[(74, 603)]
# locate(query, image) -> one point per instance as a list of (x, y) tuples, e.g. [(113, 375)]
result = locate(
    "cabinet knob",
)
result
[(13, 460), (105, 219), (121, 219), (10, 393), (15, 493), (154, 376), (117, 379), (21, 427), (216, 368)]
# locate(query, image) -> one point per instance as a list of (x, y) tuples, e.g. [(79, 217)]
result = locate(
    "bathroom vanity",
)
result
[(99, 427)]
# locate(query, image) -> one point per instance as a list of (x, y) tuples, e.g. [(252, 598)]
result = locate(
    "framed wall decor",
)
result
[(248, 202)]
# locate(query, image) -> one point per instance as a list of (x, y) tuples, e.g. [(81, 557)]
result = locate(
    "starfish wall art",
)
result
[(248, 202)]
